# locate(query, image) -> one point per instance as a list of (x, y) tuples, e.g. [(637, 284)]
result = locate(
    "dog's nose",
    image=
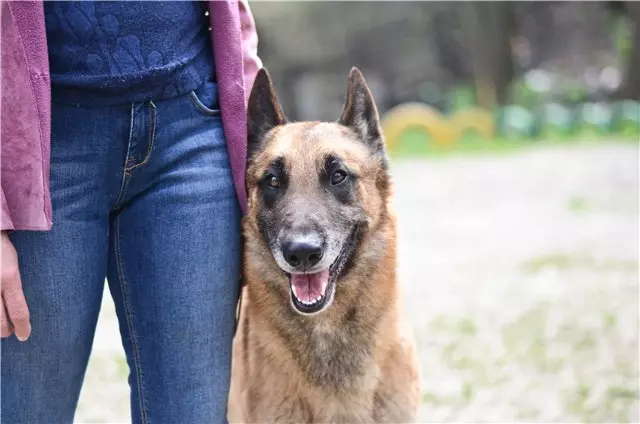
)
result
[(305, 253)]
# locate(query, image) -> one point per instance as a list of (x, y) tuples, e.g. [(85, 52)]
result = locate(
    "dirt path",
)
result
[(520, 275)]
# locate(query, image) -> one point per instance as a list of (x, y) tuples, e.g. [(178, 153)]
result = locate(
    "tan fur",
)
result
[(352, 363)]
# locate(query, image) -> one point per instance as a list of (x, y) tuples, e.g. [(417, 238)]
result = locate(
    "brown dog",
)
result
[(320, 337)]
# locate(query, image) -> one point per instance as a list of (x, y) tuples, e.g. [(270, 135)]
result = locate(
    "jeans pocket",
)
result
[(205, 99)]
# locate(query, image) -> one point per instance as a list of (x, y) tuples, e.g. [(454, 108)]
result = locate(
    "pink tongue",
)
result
[(309, 286)]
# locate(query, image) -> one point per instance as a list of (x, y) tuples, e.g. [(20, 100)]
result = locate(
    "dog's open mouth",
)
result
[(309, 291), (313, 292)]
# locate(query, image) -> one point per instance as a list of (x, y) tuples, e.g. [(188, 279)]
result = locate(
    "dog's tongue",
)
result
[(307, 287)]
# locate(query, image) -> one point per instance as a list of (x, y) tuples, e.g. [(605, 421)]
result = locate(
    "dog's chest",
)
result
[(338, 362), (348, 408), (311, 406), (335, 382)]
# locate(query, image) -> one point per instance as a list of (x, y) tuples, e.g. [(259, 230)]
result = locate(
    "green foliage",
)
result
[(626, 121), (556, 121), (517, 122), (621, 35), (574, 93), (460, 97), (522, 94)]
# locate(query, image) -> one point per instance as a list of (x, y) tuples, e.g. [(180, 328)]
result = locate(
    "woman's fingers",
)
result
[(15, 313), (17, 309), (5, 327)]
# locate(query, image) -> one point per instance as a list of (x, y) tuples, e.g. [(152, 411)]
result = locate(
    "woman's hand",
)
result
[(14, 311)]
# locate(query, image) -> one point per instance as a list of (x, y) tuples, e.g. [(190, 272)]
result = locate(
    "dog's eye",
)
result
[(338, 176), (273, 181)]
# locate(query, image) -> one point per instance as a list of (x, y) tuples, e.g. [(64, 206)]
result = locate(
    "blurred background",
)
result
[(513, 131), (567, 64)]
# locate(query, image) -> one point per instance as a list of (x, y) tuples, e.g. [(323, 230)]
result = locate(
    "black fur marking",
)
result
[(263, 112), (378, 407), (305, 410), (383, 183), (351, 261), (344, 192), (264, 224), (351, 315), (361, 115), (245, 341), (271, 195)]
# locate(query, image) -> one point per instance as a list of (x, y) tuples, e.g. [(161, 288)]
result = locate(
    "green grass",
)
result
[(123, 367), (540, 344), (415, 143), (578, 204), (567, 261)]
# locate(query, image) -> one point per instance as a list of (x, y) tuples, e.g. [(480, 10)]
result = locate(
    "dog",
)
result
[(320, 336)]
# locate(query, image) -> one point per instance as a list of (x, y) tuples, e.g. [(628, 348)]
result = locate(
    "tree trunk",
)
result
[(503, 71), (631, 86), (489, 27)]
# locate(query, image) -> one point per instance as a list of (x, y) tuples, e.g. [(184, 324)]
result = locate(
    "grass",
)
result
[(578, 204), (555, 349), (415, 143), (567, 261), (533, 351)]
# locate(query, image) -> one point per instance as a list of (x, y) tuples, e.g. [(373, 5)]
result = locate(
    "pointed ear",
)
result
[(263, 112), (361, 115)]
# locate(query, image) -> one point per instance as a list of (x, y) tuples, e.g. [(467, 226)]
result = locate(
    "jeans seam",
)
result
[(129, 320), (201, 107), (152, 137), (126, 173)]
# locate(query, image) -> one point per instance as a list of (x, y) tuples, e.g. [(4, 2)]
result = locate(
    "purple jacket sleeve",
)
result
[(25, 118), (5, 216)]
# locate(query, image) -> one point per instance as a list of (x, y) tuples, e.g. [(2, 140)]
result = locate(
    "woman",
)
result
[(123, 155)]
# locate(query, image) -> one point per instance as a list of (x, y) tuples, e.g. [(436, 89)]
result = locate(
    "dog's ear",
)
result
[(361, 115), (263, 112)]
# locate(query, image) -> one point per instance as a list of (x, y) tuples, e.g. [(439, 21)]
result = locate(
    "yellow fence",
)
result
[(442, 130), (551, 121)]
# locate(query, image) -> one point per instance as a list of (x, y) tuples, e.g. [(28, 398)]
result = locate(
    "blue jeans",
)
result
[(143, 195)]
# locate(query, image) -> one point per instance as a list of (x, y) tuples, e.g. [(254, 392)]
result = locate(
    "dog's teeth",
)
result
[(318, 298)]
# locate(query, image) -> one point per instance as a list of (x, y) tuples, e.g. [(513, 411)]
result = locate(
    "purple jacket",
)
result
[(25, 109)]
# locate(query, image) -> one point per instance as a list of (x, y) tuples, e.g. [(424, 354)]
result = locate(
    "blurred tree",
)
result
[(451, 48), (490, 28), (630, 88)]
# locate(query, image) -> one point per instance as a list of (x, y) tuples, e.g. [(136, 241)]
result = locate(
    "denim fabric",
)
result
[(114, 52), (142, 194)]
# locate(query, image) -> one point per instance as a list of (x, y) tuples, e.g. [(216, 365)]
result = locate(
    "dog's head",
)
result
[(314, 190)]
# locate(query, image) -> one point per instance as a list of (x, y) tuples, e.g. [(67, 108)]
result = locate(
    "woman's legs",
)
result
[(174, 262), (166, 230), (63, 270)]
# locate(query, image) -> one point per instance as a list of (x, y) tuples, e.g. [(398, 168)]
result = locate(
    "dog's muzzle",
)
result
[(314, 292)]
